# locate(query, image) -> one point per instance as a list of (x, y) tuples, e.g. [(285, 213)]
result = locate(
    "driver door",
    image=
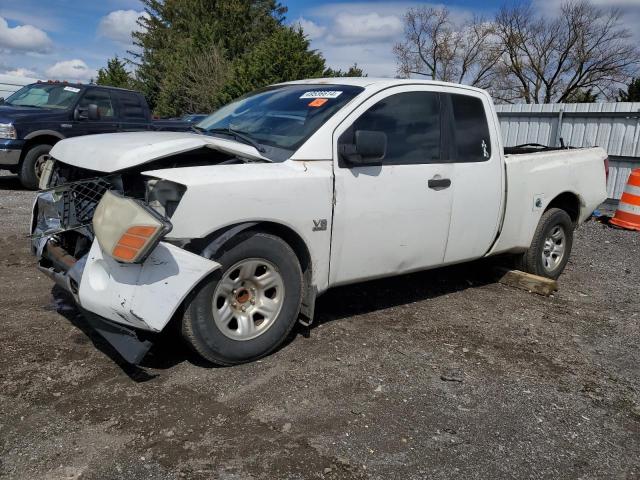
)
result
[(394, 217)]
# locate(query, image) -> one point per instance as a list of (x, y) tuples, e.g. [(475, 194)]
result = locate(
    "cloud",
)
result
[(312, 29), (365, 32), (356, 28), (119, 24), (23, 38), (20, 72), (72, 70), (33, 15), (629, 10)]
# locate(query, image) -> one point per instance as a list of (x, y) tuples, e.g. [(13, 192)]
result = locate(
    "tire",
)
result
[(29, 173), (214, 324), (551, 245)]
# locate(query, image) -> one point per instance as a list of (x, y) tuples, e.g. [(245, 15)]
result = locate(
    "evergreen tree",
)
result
[(633, 92), (281, 57), (195, 55), (115, 74), (354, 71), (582, 96), (234, 27), (195, 82)]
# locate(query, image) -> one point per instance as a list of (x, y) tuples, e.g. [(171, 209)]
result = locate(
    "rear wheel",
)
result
[(551, 245), (249, 306), (32, 164)]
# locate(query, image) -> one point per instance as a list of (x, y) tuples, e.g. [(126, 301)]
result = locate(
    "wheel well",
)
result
[(39, 140), (569, 202), (292, 238), (287, 234)]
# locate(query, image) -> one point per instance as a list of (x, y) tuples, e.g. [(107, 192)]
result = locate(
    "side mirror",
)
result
[(92, 112), (370, 148)]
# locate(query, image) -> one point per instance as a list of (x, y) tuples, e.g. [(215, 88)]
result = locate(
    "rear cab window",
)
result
[(132, 107), (468, 134)]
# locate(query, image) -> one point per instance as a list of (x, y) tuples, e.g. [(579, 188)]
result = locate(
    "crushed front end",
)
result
[(100, 237)]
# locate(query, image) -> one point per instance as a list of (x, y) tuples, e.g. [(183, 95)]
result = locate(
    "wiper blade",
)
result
[(28, 106), (244, 137), (197, 129)]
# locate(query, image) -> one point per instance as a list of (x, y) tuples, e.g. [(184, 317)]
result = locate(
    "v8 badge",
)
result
[(320, 225)]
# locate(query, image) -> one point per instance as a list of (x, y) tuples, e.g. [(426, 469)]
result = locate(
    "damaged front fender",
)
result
[(142, 295)]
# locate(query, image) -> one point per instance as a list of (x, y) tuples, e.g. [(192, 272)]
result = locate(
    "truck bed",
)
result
[(534, 178)]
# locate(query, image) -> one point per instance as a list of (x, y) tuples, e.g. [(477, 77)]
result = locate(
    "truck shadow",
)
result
[(10, 182), (366, 297), (169, 350)]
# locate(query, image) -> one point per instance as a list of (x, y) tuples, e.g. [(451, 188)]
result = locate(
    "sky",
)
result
[(71, 39)]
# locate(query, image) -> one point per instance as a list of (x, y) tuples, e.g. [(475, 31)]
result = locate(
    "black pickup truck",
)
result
[(37, 116)]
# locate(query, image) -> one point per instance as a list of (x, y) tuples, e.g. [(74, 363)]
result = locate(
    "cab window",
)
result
[(131, 106), (470, 139), (102, 99), (411, 122)]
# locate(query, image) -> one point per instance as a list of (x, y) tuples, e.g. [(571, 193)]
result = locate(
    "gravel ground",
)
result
[(438, 375)]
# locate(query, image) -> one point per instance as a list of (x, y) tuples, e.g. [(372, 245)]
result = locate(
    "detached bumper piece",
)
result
[(123, 339), (67, 272)]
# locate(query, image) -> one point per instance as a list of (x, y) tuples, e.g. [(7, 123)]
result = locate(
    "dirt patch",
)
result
[(441, 374)]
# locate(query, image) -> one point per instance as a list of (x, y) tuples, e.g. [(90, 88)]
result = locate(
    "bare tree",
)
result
[(584, 49), (435, 47)]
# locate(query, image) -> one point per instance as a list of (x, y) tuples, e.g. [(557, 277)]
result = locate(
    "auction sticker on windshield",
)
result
[(318, 102), (321, 94), (72, 89)]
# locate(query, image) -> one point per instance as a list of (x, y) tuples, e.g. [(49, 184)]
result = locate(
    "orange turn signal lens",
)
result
[(124, 253), (132, 242), (142, 231), (126, 229)]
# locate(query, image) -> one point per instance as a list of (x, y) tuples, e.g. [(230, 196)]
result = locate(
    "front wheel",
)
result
[(551, 245), (32, 165), (249, 306)]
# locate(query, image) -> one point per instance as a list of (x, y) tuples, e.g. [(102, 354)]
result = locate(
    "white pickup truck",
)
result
[(233, 230)]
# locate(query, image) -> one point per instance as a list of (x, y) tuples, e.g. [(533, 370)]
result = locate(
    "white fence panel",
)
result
[(613, 126)]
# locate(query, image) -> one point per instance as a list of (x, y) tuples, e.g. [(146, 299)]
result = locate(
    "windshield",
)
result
[(281, 117), (44, 96)]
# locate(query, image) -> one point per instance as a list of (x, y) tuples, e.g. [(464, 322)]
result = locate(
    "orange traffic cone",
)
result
[(628, 213)]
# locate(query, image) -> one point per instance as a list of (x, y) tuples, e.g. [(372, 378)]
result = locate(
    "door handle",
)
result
[(439, 183)]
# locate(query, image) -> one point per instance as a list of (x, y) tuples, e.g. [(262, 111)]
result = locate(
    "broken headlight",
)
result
[(163, 196), (126, 229)]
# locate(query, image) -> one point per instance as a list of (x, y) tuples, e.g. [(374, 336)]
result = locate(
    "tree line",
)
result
[(195, 55), (582, 54)]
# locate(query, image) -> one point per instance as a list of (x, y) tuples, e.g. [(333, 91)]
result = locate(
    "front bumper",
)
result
[(10, 151), (124, 297), (143, 296), (9, 157), (118, 300)]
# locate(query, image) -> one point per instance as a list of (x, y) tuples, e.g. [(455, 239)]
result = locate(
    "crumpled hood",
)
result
[(111, 152)]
